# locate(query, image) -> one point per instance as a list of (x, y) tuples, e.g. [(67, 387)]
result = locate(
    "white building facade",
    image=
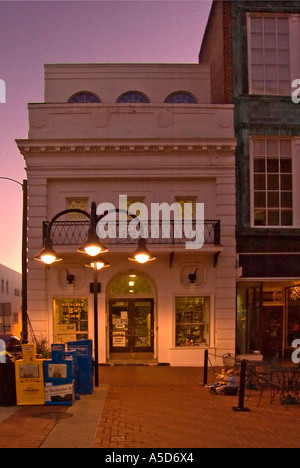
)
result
[(150, 132)]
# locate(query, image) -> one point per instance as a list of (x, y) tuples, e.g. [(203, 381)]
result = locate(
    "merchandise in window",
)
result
[(192, 321), (70, 319)]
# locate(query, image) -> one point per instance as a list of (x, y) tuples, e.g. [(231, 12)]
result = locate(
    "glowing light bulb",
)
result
[(48, 259), (92, 250), (142, 258)]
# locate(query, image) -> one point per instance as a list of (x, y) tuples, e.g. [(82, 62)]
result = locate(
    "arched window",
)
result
[(130, 283), (84, 98), (181, 97), (133, 97)]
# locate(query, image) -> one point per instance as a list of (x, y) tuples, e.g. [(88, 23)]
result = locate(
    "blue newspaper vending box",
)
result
[(84, 351), (58, 351), (59, 377), (73, 355)]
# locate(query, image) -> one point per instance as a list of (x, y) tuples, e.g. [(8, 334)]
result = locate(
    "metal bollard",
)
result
[(205, 370), (241, 408)]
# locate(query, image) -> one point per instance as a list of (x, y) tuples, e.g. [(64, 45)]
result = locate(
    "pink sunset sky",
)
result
[(33, 33)]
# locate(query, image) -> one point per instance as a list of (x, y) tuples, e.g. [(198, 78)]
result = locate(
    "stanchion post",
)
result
[(205, 371), (241, 408)]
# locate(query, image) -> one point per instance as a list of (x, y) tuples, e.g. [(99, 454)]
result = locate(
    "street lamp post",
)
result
[(24, 257), (94, 249), (97, 263)]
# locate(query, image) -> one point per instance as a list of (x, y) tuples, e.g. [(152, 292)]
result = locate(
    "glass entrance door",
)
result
[(272, 331), (131, 326)]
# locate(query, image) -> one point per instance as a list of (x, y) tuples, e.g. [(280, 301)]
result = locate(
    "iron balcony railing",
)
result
[(74, 232)]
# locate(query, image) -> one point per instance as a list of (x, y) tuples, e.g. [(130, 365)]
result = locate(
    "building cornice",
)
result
[(27, 147)]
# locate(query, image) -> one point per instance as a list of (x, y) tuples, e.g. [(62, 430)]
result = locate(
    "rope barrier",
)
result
[(229, 361), (237, 367)]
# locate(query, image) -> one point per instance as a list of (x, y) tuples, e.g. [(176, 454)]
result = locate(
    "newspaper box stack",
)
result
[(29, 377), (59, 375)]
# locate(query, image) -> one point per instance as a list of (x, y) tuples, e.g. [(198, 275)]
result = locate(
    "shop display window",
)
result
[(70, 319), (192, 321)]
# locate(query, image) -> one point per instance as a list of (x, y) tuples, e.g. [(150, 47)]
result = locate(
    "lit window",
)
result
[(84, 98), (272, 182), (70, 319), (130, 284), (188, 207), (192, 321), (269, 55), (181, 98), (132, 97), (78, 203)]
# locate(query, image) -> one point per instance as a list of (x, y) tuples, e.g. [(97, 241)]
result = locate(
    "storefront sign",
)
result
[(119, 339)]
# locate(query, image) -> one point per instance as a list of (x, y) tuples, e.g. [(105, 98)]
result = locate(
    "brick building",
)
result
[(253, 50)]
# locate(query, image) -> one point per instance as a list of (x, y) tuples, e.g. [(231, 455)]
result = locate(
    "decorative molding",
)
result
[(126, 149), (79, 277), (193, 274)]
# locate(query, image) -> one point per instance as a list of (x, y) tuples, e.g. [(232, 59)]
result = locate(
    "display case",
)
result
[(192, 321)]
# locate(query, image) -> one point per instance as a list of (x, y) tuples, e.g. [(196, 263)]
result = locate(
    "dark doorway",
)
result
[(272, 331)]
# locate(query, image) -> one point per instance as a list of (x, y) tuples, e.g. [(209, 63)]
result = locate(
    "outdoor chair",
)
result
[(260, 380)]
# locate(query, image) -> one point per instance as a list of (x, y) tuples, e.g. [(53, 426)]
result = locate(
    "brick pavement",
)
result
[(159, 407), (29, 426), (166, 408)]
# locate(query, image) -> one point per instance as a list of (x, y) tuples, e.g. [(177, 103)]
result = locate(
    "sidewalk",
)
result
[(53, 426), (152, 407)]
